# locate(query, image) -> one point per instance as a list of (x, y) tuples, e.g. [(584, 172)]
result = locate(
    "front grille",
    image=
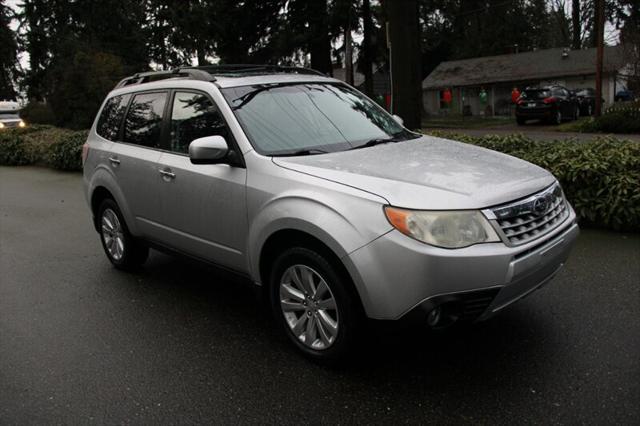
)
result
[(10, 124), (531, 218)]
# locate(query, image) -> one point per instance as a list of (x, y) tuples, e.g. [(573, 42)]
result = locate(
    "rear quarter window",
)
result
[(111, 117)]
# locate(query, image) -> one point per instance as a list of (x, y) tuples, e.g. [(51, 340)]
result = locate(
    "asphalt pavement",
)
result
[(180, 342)]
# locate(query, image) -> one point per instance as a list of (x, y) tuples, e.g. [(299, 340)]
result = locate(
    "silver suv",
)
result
[(317, 194)]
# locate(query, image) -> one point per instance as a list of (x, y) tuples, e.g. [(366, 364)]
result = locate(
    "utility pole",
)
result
[(599, 54)]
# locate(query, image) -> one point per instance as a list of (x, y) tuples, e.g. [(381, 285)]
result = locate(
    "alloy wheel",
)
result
[(309, 307), (112, 234)]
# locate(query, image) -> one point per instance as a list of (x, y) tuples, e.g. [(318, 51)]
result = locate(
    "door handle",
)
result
[(114, 161), (167, 174)]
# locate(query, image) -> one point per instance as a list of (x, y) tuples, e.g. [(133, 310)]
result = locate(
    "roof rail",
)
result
[(145, 77), (208, 72)]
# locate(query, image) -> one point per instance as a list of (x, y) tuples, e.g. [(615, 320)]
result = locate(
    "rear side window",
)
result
[(111, 117), (143, 124), (194, 116)]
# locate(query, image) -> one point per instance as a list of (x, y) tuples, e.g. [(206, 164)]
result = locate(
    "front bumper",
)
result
[(396, 275)]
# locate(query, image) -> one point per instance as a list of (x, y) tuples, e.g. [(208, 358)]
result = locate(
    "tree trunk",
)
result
[(575, 24), (320, 45), (348, 56), (367, 60), (404, 37)]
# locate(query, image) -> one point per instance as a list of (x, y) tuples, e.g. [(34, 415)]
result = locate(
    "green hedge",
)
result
[(622, 117), (45, 145), (601, 178)]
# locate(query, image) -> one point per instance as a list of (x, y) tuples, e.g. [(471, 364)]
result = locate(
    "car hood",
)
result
[(428, 173)]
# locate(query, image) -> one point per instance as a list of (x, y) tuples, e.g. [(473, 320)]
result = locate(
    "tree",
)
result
[(367, 49), (8, 55), (575, 24), (405, 60)]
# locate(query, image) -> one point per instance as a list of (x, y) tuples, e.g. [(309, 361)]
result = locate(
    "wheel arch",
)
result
[(285, 238), (103, 185)]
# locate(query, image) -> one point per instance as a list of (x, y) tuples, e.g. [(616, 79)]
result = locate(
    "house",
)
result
[(381, 83), (498, 75)]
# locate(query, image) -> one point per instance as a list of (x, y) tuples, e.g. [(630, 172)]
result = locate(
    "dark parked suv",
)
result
[(549, 103)]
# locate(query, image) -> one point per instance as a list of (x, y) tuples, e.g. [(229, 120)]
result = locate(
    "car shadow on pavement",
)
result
[(479, 353)]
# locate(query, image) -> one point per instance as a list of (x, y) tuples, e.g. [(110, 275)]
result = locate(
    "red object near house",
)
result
[(446, 96), (515, 95)]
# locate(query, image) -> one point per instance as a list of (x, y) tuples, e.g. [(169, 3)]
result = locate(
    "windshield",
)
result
[(310, 118), (5, 116), (536, 94)]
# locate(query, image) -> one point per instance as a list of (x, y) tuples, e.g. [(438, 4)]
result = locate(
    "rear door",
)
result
[(203, 205), (134, 159)]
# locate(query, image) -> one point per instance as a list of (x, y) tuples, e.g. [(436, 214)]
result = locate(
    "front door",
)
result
[(203, 206)]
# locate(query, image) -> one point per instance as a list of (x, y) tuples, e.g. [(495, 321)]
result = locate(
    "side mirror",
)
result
[(208, 150), (398, 119)]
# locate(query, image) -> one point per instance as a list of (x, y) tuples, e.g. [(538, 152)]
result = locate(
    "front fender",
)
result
[(342, 222)]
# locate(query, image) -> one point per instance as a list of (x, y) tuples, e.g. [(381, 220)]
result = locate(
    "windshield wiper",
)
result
[(306, 151), (377, 141)]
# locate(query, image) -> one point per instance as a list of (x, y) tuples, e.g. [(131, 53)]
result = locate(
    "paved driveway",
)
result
[(182, 343)]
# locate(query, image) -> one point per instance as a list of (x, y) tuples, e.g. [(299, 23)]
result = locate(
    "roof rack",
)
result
[(208, 72), (145, 77)]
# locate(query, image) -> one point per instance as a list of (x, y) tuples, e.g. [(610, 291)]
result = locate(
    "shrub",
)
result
[(65, 154), (12, 149), (601, 178), (51, 146), (623, 117)]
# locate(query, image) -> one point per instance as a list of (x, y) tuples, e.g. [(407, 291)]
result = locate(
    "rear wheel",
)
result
[(311, 302), (121, 248), (557, 117), (576, 114)]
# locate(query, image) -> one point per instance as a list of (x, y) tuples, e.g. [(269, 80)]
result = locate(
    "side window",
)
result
[(143, 124), (194, 116), (111, 117)]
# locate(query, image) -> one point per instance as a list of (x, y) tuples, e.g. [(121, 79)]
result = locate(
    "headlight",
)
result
[(1, 125), (22, 124), (448, 229)]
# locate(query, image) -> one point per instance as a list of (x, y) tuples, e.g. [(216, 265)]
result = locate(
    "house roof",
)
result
[(526, 66)]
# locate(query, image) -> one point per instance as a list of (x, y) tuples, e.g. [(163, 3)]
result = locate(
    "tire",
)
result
[(590, 110), (521, 121), (557, 117), (576, 114), (314, 314), (122, 249)]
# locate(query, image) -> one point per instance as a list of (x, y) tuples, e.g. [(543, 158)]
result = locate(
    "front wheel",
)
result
[(311, 302), (121, 248)]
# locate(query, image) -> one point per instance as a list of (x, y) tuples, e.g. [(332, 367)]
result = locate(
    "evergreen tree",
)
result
[(8, 55)]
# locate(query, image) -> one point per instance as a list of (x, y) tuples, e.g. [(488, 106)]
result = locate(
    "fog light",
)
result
[(22, 124), (433, 317)]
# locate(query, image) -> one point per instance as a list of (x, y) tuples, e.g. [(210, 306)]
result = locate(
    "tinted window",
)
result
[(194, 116), (143, 125), (111, 117), (284, 119), (536, 94)]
